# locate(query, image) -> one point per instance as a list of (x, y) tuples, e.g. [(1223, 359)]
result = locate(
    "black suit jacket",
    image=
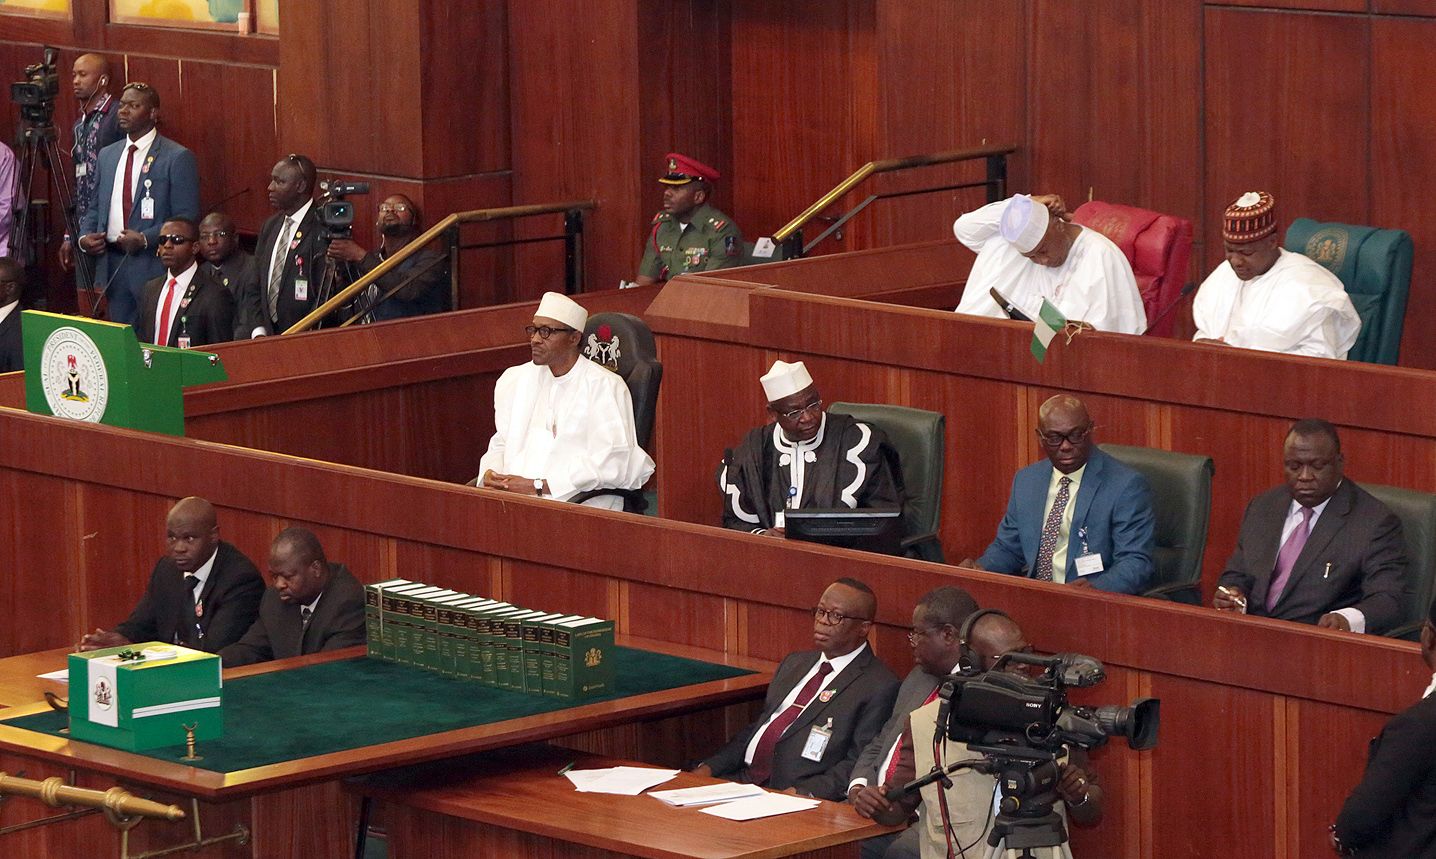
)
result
[(861, 702), (1391, 814), (916, 686), (12, 349), (229, 603), (1358, 536), (304, 261), (208, 319), (279, 633), (236, 274)]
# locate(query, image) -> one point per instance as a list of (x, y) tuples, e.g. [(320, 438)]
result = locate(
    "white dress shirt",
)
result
[(838, 665), (1353, 615), (281, 256), (118, 217), (181, 284)]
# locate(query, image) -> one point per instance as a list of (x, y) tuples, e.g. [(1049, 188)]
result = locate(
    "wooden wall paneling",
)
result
[(304, 821), (1402, 159), (1169, 54), (485, 275), (463, 88), (1405, 7), (682, 616), (1302, 5), (1324, 746), (773, 631), (1307, 149), (1118, 769), (44, 576), (551, 589), (479, 575), (122, 535), (236, 147)]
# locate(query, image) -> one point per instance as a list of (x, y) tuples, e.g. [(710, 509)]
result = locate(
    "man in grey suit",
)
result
[(145, 179), (1319, 549), (936, 647), (824, 706)]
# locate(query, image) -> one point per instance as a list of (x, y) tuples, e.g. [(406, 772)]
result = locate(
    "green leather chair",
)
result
[(1375, 267), (919, 438), (1182, 495), (1417, 512)]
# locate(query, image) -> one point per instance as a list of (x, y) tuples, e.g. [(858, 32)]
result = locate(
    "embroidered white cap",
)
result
[(784, 380), (1024, 223), (561, 308)]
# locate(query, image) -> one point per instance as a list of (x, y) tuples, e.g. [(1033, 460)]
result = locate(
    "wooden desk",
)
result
[(512, 803), (641, 726)]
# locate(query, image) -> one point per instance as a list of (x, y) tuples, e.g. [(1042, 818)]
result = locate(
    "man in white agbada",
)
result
[(563, 424), (1265, 297), (1028, 248)]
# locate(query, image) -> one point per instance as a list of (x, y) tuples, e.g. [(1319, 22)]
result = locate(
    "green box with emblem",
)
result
[(143, 703)]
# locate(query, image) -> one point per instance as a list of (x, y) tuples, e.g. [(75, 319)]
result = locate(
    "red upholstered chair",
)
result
[(1158, 246)]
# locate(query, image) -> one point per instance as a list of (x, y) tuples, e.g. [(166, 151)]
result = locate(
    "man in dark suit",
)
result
[(938, 616), (12, 285), (823, 708), (1319, 549), (203, 594), (314, 605), (1080, 518), (289, 255), (184, 307), (231, 265), (145, 179)]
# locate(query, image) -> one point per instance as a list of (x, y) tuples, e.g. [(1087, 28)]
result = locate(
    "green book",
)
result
[(374, 614), (583, 664), (409, 614), (531, 634), (395, 613), (426, 641), (447, 630), (548, 646), (512, 675), (466, 651), (485, 645)]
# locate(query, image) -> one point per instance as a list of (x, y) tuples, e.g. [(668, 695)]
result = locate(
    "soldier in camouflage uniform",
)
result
[(688, 235)]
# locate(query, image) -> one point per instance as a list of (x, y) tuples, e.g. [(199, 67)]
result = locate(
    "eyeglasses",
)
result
[(795, 414), (172, 239), (1076, 437), (833, 618), (919, 634), (544, 332), (393, 209), (214, 234)]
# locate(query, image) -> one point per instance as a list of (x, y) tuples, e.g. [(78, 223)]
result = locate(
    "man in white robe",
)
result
[(563, 424), (1028, 249), (1265, 297)]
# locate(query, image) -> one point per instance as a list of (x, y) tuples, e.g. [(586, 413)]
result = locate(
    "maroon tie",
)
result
[(1286, 558), (762, 766), (127, 190), (893, 761), (163, 337)]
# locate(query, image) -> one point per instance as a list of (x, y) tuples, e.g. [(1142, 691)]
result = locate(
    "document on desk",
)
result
[(708, 794), (767, 805), (625, 781), (63, 675)]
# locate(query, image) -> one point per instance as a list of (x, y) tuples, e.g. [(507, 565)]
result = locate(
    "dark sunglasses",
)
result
[(175, 240)]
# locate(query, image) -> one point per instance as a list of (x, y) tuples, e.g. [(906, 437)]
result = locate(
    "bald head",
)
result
[(1065, 430), (994, 635), (89, 75), (192, 533), (218, 238)]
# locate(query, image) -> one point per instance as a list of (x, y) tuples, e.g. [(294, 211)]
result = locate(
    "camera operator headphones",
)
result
[(969, 660)]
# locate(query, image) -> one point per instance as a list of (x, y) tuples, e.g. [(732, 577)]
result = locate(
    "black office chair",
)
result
[(918, 438), (1182, 501), (624, 344), (1417, 512)]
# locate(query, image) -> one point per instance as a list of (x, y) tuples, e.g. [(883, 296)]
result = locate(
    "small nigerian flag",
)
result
[(1049, 321)]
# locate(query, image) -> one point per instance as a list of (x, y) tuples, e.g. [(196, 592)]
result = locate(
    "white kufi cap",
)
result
[(784, 380), (1024, 223), (562, 309)]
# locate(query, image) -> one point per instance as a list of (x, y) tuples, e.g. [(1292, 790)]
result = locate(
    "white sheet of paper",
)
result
[(625, 781), (708, 794), (63, 675), (767, 805)]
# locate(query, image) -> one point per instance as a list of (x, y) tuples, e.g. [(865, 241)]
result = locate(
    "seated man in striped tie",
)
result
[(824, 706), (1320, 549), (314, 605)]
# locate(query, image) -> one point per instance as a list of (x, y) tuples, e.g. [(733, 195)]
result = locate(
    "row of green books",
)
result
[(496, 643)]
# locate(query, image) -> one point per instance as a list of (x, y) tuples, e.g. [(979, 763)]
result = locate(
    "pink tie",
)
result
[(163, 337), (762, 766), (1286, 559)]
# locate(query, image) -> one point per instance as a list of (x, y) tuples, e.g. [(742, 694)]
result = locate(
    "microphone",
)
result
[(1188, 289), (220, 205)]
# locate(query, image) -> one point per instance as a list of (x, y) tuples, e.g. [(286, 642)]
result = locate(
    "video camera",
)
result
[(35, 95), (336, 214)]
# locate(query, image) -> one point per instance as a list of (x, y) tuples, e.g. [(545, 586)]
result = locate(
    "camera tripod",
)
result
[(36, 144)]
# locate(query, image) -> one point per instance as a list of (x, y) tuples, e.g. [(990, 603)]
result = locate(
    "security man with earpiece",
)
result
[(688, 234), (97, 126)]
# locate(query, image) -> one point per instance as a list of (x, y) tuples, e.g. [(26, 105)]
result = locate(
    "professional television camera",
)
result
[(35, 95), (1020, 726), (336, 214)]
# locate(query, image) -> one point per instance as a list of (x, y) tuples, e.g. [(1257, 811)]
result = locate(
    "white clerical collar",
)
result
[(783, 443)]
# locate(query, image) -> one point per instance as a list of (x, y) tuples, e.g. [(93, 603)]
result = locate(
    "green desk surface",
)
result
[(353, 703)]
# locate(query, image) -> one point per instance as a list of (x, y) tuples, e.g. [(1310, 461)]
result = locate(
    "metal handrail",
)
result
[(889, 165), (471, 217)]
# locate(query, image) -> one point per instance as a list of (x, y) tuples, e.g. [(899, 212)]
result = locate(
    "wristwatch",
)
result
[(538, 485)]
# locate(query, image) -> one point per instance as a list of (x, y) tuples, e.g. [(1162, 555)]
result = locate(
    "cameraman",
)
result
[(428, 292), (956, 821)]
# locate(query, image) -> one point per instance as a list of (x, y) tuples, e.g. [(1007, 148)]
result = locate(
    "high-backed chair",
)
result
[(918, 436), (1182, 497), (1375, 267), (1158, 246), (1417, 512), (624, 344)]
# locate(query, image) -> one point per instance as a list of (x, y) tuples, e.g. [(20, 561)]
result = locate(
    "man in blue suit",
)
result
[(1080, 518), (145, 179)]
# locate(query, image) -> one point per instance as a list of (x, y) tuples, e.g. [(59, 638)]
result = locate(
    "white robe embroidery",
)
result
[(1094, 284), (1296, 307), (575, 431)]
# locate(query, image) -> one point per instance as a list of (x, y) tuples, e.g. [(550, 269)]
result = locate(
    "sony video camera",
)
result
[(35, 95), (336, 214)]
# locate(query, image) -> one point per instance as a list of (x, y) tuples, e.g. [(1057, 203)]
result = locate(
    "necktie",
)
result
[(189, 624), (893, 755), (762, 766), (304, 614), (162, 336), (1050, 529), (127, 190), (1286, 558), (276, 268)]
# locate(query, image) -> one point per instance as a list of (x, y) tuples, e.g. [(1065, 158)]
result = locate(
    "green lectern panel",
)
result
[(89, 370)]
